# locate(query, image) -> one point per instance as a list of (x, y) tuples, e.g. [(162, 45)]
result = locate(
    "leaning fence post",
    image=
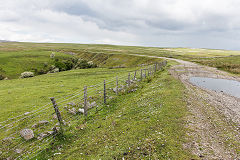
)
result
[(57, 111), (85, 101), (141, 74), (117, 85), (104, 92)]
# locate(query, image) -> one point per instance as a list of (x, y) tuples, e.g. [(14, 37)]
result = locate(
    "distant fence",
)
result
[(26, 135)]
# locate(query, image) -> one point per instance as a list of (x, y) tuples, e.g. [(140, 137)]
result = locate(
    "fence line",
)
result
[(65, 111)]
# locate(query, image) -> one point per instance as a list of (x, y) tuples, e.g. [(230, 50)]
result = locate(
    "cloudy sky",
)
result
[(163, 23)]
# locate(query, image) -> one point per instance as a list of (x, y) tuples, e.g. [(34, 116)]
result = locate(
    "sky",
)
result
[(159, 23)]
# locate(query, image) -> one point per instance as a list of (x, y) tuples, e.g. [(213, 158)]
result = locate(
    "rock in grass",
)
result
[(27, 75), (71, 104), (56, 129), (54, 116), (92, 105), (45, 134), (81, 110), (40, 123), (27, 134), (18, 151), (27, 113), (43, 122), (73, 111)]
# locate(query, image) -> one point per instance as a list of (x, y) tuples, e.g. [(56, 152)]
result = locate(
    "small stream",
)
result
[(230, 87)]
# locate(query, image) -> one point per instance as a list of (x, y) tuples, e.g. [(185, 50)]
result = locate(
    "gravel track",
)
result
[(213, 122)]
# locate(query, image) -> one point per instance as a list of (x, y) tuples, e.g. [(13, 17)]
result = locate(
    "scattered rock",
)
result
[(27, 134), (26, 113), (34, 126), (40, 123), (27, 75), (45, 134), (115, 89), (43, 122), (92, 105), (81, 110), (71, 104), (55, 70), (132, 90), (54, 116), (50, 132), (73, 111), (56, 129), (18, 151)]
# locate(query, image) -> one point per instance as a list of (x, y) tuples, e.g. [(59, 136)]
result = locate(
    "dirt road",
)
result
[(213, 123)]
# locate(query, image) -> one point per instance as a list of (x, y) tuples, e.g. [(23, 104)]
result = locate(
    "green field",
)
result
[(106, 55), (148, 124), (145, 124)]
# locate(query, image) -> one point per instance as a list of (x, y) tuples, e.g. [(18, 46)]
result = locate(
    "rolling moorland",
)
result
[(148, 123)]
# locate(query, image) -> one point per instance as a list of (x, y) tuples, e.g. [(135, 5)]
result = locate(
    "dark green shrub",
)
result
[(83, 64), (69, 64), (62, 66), (1, 77)]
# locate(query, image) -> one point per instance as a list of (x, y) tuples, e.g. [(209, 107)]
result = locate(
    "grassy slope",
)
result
[(229, 64), (137, 114), (12, 64), (23, 95), (16, 58), (142, 125), (197, 55)]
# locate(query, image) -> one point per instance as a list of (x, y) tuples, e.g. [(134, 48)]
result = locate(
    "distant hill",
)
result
[(6, 41)]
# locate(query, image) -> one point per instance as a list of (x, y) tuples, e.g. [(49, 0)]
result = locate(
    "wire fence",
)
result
[(28, 134)]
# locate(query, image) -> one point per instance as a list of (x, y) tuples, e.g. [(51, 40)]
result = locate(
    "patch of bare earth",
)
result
[(214, 119)]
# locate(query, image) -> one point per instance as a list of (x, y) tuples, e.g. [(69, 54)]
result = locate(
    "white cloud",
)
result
[(215, 23)]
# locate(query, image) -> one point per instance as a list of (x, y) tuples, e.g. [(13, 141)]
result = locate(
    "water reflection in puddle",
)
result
[(220, 85)]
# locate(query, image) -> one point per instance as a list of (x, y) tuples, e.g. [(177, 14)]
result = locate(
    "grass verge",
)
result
[(147, 124)]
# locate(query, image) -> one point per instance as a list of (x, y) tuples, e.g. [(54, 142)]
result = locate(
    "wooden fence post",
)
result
[(85, 101), (145, 73), (117, 85), (148, 71), (155, 67), (141, 74), (57, 111), (134, 78), (104, 92)]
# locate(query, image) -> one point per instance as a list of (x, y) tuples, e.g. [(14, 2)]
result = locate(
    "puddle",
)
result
[(230, 87)]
